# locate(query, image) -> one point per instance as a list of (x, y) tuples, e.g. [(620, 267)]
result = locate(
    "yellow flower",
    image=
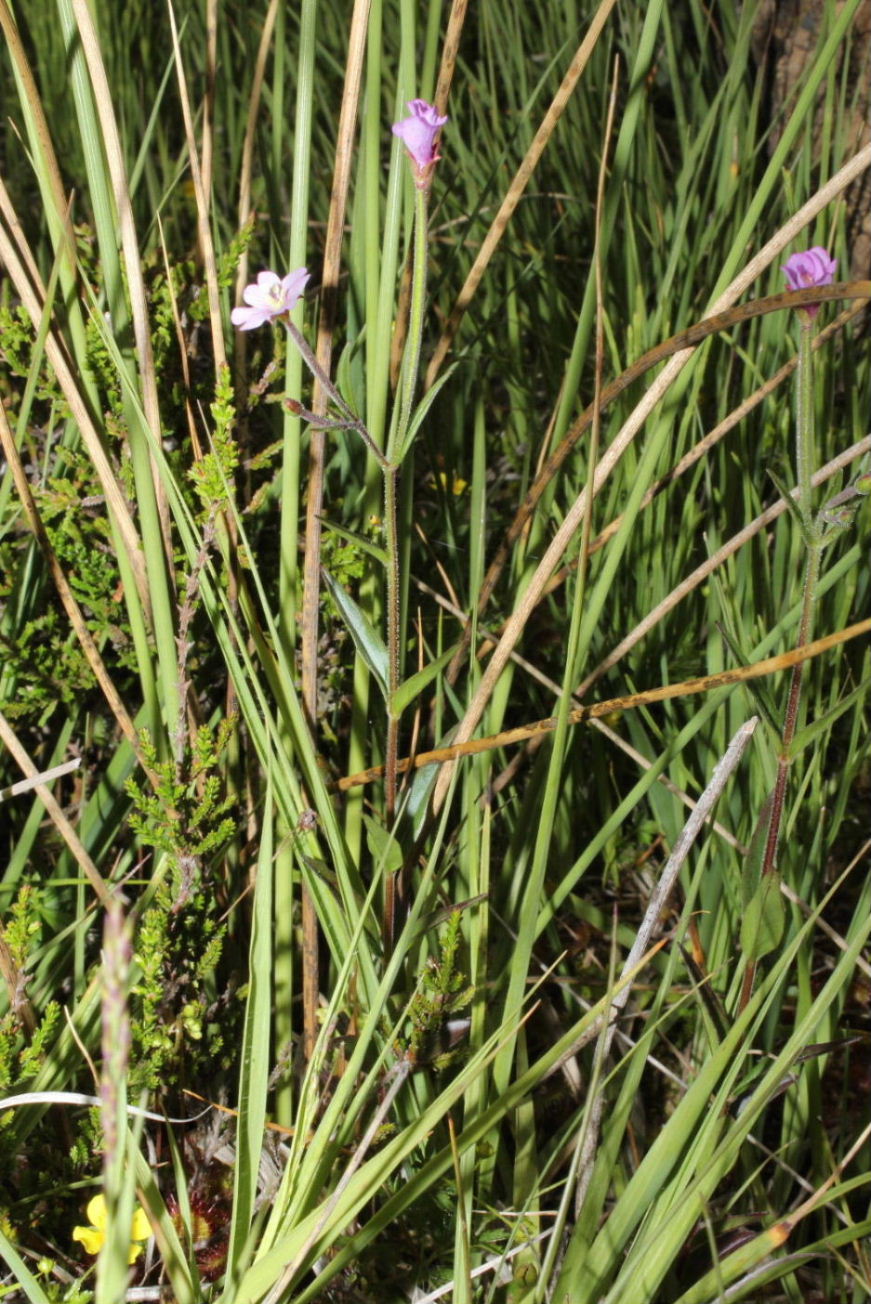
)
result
[(456, 485), (93, 1237)]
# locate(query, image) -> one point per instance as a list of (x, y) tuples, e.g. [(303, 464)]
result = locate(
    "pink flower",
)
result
[(418, 134), (814, 267), (272, 296)]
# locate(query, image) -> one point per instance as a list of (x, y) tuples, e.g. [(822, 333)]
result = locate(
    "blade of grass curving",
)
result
[(23, 1277), (668, 1220), (72, 608), (254, 1059), (320, 399), (171, 1252), (518, 185), (33, 299), (471, 1135), (113, 213), (367, 641), (547, 565)]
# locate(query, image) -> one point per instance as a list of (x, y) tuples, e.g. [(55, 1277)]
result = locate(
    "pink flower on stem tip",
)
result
[(269, 297), (418, 133), (814, 267)]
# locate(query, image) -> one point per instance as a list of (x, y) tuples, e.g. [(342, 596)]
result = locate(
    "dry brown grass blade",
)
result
[(556, 550), (707, 567), (450, 50), (667, 692), (55, 814), (518, 184), (246, 169), (70, 605), (312, 563), (713, 437), (135, 286), (32, 296), (201, 178), (57, 210)]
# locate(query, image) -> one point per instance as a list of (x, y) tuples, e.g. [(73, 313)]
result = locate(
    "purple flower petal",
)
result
[(418, 133), (813, 267), (270, 296)]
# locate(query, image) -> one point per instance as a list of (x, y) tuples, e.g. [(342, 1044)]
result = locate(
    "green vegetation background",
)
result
[(467, 1116)]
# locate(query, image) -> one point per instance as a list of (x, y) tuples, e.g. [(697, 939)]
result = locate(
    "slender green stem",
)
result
[(391, 478), (411, 361), (390, 466), (793, 707), (804, 457), (347, 421), (396, 449), (804, 443)]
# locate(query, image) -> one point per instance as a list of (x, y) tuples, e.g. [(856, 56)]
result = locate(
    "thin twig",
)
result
[(682, 847), (445, 756), (10, 741)]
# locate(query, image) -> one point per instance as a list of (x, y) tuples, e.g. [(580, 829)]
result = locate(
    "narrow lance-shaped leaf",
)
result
[(367, 642), (764, 918)]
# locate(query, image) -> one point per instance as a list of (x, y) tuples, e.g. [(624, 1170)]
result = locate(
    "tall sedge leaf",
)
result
[(254, 1065)]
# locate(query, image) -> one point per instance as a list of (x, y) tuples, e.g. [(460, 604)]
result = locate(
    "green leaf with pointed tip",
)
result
[(366, 641), (420, 412), (752, 872), (824, 722), (413, 687), (385, 850), (761, 697), (793, 507), (345, 372), (359, 540), (764, 918)]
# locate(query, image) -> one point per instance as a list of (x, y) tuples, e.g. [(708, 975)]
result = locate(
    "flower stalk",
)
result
[(418, 133), (272, 298), (802, 270)]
